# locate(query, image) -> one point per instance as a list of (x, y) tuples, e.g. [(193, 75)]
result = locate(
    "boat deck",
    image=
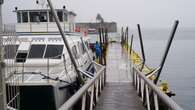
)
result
[(119, 93)]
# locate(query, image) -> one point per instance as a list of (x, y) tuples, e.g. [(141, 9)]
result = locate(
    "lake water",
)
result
[(179, 69)]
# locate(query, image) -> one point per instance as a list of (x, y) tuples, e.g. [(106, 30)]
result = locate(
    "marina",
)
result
[(48, 61)]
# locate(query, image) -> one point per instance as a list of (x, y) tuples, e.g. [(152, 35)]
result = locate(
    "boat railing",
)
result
[(41, 27), (151, 95), (52, 65), (49, 66), (91, 88)]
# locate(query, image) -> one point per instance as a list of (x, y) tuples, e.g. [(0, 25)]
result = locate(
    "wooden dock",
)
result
[(119, 93)]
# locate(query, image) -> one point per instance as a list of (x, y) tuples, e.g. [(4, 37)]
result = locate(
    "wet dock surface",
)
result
[(119, 94), (118, 64)]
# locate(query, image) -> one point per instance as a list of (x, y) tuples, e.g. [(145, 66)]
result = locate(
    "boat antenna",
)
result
[(80, 79), (166, 50)]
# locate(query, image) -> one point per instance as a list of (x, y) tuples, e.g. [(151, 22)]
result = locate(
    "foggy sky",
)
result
[(148, 13)]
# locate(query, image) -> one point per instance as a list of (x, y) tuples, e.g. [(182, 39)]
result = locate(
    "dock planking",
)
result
[(119, 93)]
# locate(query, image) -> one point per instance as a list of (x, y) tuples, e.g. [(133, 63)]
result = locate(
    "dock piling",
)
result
[(142, 46), (131, 44), (167, 50)]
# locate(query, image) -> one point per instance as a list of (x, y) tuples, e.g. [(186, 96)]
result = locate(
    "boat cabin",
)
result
[(42, 20)]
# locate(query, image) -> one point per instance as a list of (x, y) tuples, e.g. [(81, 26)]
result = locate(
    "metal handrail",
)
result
[(145, 86), (96, 81)]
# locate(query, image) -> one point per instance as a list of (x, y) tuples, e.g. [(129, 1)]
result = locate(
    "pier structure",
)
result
[(126, 88), (129, 83)]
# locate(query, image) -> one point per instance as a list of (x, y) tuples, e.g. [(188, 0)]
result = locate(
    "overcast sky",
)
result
[(149, 13)]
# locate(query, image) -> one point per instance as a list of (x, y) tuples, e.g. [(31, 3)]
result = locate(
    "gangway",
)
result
[(127, 88)]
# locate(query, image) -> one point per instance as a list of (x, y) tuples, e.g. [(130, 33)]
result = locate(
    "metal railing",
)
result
[(89, 93), (42, 27), (152, 97), (48, 66)]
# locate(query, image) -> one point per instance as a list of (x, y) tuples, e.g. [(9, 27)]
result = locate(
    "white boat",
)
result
[(45, 76)]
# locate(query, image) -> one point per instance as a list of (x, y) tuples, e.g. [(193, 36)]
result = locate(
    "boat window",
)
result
[(36, 51), (81, 48), (21, 57), (18, 17), (60, 15), (54, 51), (10, 51), (74, 52), (24, 17), (43, 17), (34, 17), (51, 18), (87, 44), (65, 17), (38, 17)]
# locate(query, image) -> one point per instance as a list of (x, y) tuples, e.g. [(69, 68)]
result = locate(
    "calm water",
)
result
[(179, 69)]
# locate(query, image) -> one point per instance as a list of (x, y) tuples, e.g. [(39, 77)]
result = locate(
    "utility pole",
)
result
[(2, 65)]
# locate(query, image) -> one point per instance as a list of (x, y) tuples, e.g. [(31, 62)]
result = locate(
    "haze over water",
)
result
[(180, 64)]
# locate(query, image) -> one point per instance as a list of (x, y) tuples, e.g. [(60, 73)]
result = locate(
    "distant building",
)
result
[(93, 27)]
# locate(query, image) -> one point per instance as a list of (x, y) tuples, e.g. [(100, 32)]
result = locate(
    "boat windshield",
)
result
[(54, 51), (10, 51), (37, 51)]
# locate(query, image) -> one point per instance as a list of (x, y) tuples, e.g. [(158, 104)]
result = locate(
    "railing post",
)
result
[(84, 101), (104, 76), (156, 101), (23, 71), (100, 38), (138, 84), (147, 98), (142, 90), (97, 90), (92, 97), (131, 45), (100, 81), (48, 69), (122, 35), (133, 76), (135, 79), (127, 38)]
